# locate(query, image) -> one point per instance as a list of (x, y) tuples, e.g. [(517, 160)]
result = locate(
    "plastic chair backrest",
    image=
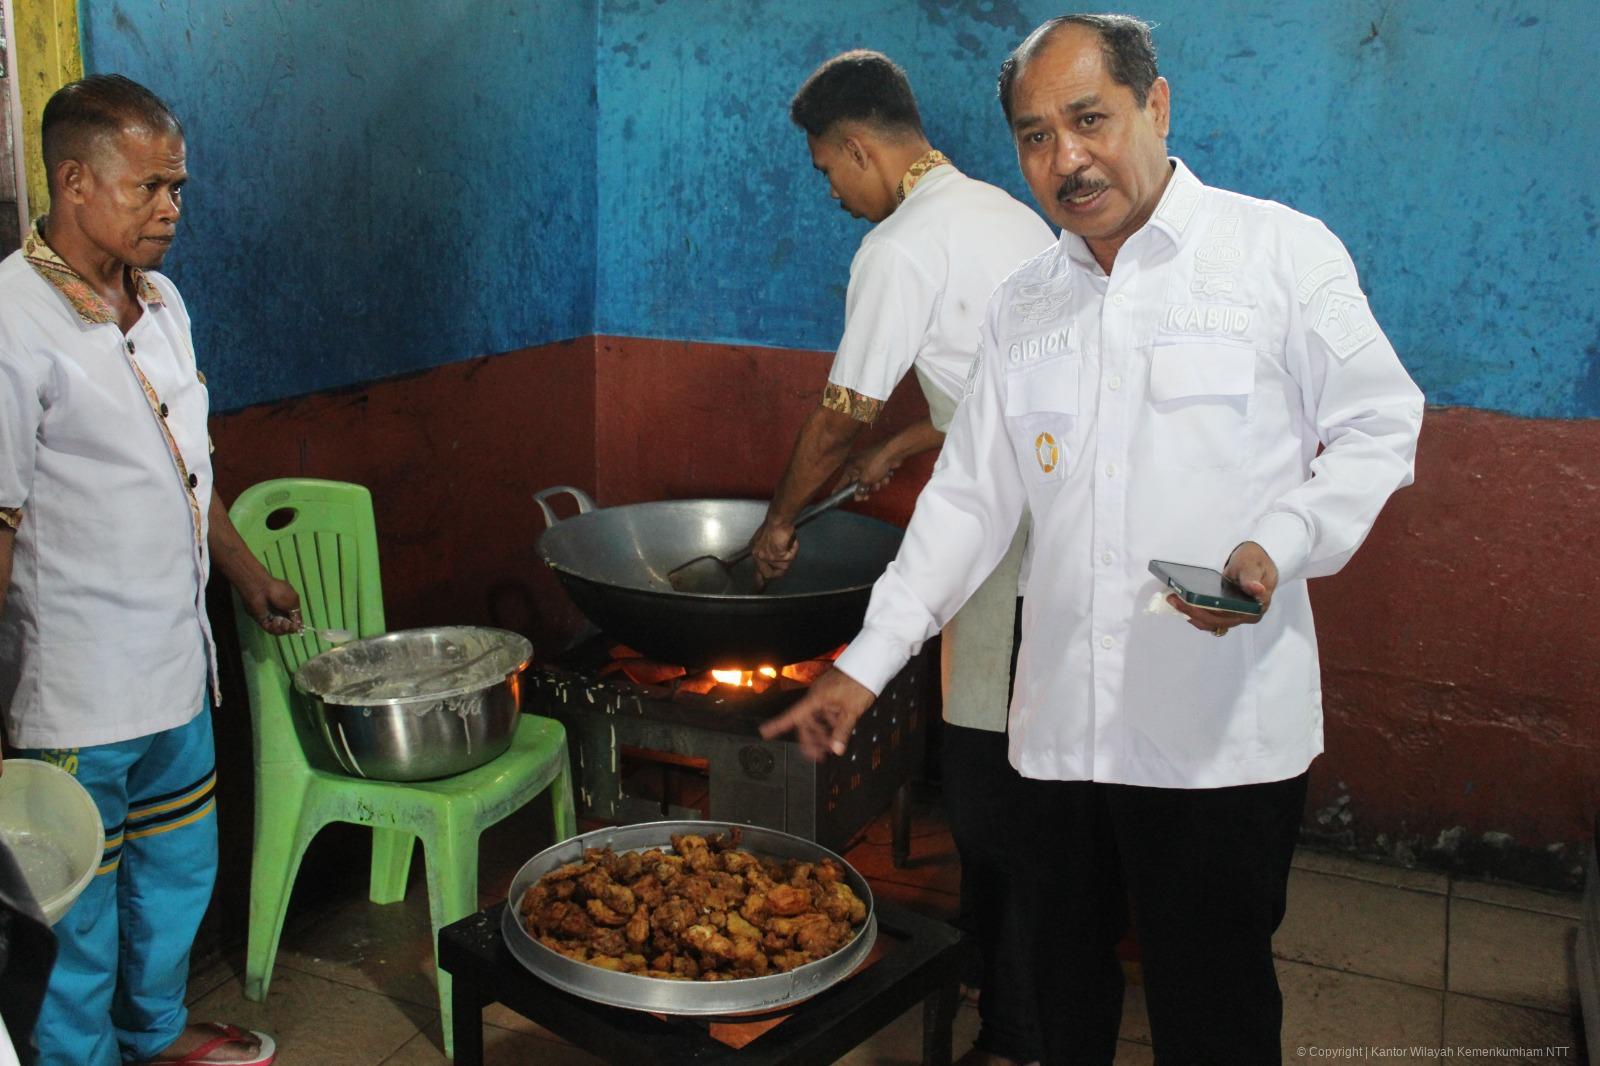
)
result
[(320, 537)]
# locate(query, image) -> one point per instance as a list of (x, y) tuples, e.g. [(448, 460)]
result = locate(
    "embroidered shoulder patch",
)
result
[(1317, 277), (1346, 324)]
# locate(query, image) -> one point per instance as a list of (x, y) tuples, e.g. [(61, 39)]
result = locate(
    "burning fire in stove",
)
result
[(746, 678), (726, 680)]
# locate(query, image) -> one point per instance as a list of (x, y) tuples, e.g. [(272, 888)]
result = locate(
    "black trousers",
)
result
[(982, 795), (1206, 871)]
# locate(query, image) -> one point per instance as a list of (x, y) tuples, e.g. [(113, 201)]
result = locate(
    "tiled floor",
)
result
[(1371, 958)]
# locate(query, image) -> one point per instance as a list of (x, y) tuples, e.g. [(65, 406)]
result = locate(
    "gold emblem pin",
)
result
[(1047, 451)]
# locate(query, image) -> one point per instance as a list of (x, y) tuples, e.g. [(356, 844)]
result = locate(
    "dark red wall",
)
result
[(1461, 657)]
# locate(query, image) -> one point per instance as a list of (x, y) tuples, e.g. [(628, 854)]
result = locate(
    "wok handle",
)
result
[(581, 498)]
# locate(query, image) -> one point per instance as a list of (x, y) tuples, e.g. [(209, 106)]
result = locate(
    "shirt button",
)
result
[(194, 479), (1111, 470), (1107, 642), (1106, 558), (163, 410), (129, 346), (1115, 383), (1119, 299)]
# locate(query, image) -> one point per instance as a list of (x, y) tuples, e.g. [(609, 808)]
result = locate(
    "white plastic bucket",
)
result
[(53, 829)]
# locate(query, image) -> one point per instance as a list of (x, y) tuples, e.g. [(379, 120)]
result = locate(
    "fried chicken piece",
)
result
[(571, 869), (638, 928), (822, 938), (784, 961), (828, 872), (755, 909), (682, 842), (592, 885), (738, 927), (674, 916), (788, 900), (711, 945), (606, 962), (724, 890), (686, 967), (604, 915), (624, 867), (647, 890), (842, 905), (747, 957), (608, 942), (562, 918), (739, 862), (799, 873)]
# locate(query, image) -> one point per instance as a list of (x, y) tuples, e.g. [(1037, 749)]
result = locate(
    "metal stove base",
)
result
[(754, 781)]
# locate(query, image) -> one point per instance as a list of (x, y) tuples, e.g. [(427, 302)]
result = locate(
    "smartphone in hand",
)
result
[(1204, 587)]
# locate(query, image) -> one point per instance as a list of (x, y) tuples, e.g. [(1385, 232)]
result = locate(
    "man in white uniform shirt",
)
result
[(918, 286), (1189, 375), (108, 528)]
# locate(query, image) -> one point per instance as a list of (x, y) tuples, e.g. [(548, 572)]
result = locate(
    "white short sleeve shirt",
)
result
[(105, 474), (919, 284), (1226, 382)]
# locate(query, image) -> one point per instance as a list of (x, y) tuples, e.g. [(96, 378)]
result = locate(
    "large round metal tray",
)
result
[(742, 996)]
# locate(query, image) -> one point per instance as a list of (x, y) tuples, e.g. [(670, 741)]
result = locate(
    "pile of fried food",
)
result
[(705, 911)]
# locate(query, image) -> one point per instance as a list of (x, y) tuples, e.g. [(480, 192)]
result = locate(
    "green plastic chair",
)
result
[(319, 536)]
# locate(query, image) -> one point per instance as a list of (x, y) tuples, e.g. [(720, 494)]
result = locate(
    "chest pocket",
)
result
[(1041, 415), (1200, 395)]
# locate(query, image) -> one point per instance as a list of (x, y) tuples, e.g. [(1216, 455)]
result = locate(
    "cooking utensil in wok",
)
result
[(614, 562), (714, 574), (740, 996)]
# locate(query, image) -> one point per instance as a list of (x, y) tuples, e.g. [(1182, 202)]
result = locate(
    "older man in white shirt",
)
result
[(1189, 375), (108, 528)]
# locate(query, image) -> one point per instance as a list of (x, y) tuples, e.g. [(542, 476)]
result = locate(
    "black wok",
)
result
[(614, 563)]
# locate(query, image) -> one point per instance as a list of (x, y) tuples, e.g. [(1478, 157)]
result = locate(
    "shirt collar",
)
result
[(91, 309), (1178, 202), (1172, 216), (914, 174)]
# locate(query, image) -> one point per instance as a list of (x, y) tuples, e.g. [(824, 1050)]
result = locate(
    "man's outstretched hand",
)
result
[(823, 718)]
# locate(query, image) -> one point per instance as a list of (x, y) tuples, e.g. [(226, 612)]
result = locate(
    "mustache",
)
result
[(1077, 185)]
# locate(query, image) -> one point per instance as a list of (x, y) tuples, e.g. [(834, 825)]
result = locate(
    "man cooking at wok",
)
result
[(1192, 376), (941, 243)]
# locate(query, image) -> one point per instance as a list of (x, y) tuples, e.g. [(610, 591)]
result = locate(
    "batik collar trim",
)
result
[(917, 171), (91, 309)]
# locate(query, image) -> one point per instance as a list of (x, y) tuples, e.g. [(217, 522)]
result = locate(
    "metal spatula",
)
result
[(713, 575)]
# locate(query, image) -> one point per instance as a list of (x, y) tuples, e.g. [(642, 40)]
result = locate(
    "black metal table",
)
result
[(920, 962)]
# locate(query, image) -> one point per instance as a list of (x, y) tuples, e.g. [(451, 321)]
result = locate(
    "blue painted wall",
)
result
[(386, 185), (378, 186), (1444, 142)]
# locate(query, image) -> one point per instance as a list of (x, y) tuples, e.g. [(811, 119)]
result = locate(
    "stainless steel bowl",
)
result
[(419, 703)]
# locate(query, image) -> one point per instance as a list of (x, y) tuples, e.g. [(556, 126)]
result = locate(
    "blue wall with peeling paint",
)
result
[(387, 185), (1443, 142), (378, 186)]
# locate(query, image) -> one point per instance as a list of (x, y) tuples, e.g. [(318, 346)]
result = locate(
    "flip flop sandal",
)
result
[(226, 1034)]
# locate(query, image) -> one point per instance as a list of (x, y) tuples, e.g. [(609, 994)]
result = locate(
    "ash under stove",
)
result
[(682, 747)]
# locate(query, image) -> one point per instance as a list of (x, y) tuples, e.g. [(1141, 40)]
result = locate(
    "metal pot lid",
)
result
[(744, 995), (412, 666)]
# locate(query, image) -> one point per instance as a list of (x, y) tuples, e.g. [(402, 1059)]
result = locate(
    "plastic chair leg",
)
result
[(563, 813), (391, 862), (279, 844), (451, 857)]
